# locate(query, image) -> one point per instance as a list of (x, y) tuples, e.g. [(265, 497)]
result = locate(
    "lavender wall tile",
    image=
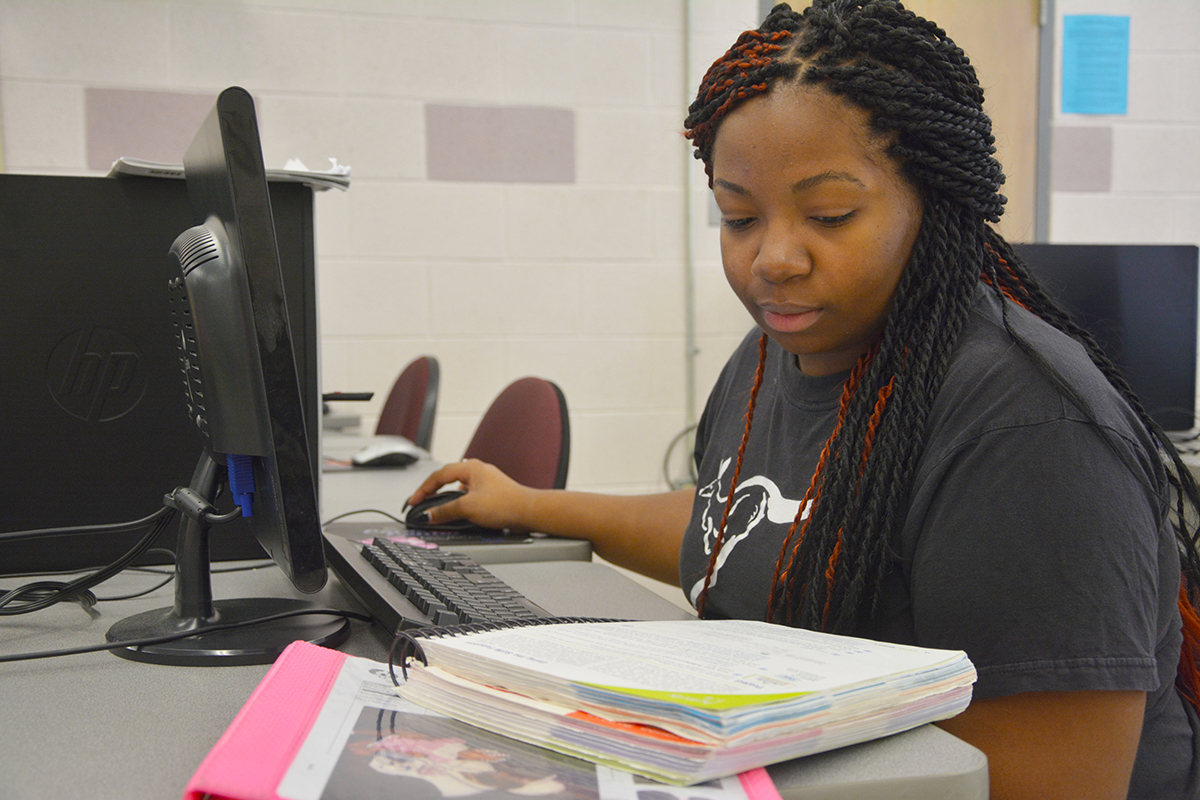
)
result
[(155, 126), (1083, 159), (505, 144)]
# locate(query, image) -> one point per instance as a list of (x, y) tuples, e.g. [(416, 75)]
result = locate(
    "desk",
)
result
[(99, 727), (96, 726)]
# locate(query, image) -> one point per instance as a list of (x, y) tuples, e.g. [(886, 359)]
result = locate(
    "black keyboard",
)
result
[(406, 586), (442, 537)]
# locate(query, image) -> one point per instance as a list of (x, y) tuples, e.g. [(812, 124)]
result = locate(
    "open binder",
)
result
[(681, 701), (323, 724)]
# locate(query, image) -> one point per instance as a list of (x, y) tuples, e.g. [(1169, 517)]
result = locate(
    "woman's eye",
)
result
[(833, 222), (738, 223)]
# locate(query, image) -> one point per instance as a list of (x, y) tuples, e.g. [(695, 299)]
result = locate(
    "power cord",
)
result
[(43, 594), (167, 577), (165, 571), (115, 527), (174, 637)]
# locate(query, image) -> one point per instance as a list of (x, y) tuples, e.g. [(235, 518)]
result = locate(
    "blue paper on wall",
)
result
[(1095, 64)]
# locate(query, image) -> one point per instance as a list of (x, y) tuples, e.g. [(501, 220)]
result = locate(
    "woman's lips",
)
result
[(790, 320)]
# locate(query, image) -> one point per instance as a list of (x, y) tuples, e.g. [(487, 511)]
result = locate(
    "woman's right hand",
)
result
[(492, 499), (639, 532)]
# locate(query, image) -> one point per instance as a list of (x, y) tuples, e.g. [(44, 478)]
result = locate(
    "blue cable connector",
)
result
[(241, 482)]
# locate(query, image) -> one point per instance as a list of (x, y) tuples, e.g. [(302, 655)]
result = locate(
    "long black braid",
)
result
[(923, 98)]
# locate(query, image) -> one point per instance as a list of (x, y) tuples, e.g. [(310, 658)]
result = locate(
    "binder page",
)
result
[(712, 664), (369, 743)]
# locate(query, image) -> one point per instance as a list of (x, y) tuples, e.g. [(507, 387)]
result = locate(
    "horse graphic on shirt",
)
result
[(755, 499)]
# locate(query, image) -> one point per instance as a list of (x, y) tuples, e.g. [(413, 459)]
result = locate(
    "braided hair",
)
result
[(923, 97)]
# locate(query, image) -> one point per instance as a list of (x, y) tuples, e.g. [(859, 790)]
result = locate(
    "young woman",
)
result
[(914, 443)]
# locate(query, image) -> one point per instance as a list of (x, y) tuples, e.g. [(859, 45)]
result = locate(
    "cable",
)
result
[(170, 576), (151, 590), (214, 519), (261, 564), (116, 527), (174, 637), (691, 462), (364, 511), (167, 573), (43, 594)]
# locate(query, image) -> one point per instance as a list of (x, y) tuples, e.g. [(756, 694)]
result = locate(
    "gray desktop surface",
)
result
[(359, 490), (99, 727), (925, 763)]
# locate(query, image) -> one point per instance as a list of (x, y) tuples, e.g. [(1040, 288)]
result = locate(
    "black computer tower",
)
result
[(94, 428)]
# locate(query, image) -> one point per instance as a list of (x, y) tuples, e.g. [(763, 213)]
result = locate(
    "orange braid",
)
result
[(751, 53), (814, 492), (1187, 675), (873, 423), (712, 559), (1014, 279), (868, 443)]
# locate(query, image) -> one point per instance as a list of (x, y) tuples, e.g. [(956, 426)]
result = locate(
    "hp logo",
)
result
[(93, 374)]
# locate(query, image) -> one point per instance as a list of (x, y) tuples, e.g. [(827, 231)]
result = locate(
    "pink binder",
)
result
[(250, 759)]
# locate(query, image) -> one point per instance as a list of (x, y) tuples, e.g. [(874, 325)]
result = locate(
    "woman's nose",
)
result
[(781, 256)]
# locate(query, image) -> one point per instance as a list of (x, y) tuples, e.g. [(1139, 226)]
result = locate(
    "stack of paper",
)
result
[(686, 701), (337, 177)]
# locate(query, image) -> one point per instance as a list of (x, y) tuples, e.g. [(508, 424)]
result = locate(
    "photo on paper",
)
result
[(394, 754), (418, 756)]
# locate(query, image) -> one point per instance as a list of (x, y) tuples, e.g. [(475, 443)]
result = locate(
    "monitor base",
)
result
[(248, 644)]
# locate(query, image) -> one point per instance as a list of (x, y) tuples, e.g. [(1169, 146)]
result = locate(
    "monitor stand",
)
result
[(219, 638)]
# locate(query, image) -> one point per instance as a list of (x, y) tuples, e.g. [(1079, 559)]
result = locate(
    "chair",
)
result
[(526, 432), (411, 404)]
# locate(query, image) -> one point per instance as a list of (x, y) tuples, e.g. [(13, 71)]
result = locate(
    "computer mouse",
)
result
[(415, 518), (387, 451)]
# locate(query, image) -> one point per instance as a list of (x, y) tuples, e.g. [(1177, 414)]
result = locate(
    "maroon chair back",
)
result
[(412, 403), (526, 432)]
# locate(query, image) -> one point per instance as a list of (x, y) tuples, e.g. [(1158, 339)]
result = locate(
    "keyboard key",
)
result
[(449, 588)]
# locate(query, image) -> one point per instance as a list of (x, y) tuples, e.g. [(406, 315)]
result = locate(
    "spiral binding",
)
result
[(409, 647)]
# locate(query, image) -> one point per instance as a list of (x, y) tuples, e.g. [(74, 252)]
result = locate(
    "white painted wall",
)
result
[(1154, 194), (580, 283)]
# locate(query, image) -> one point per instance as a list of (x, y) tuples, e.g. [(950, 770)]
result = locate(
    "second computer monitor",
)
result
[(1140, 304)]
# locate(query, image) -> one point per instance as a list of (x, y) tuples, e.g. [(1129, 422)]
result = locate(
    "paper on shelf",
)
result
[(337, 177)]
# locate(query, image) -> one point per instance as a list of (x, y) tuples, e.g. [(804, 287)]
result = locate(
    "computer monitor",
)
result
[(244, 397), (1140, 304)]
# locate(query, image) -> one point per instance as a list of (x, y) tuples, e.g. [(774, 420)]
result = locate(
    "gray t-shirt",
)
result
[(1033, 542)]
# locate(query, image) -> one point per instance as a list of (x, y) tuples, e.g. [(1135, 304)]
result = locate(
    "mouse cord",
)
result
[(364, 511)]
